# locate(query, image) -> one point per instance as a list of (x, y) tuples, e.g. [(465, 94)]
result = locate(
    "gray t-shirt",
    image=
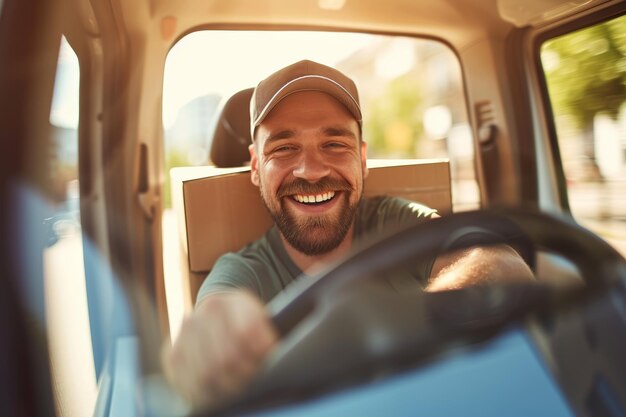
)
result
[(265, 268)]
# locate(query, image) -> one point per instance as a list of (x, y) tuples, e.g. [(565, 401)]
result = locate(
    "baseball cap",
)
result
[(303, 76)]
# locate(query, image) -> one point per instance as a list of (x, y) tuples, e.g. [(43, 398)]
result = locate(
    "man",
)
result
[(309, 161)]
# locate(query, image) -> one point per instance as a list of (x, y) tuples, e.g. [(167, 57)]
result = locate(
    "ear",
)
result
[(254, 165), (364, 159)]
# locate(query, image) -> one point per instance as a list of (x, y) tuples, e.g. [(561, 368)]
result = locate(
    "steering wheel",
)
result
[(345, 324)]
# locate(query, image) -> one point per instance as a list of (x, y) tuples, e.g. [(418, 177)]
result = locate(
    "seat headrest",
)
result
[(231, 138)]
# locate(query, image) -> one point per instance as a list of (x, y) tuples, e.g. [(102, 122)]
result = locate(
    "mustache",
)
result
[(300, 186)]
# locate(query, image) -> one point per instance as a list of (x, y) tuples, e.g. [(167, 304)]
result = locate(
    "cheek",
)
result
[(354, 169), (272, 174)]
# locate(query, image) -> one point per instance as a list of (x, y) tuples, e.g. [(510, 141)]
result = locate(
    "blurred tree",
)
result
[(586, 74), (395, 124)]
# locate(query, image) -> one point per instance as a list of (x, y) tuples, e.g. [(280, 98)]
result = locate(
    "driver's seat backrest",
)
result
[(231, 137)]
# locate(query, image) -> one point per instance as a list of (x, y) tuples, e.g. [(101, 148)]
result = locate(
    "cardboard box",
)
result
[(220, 210)]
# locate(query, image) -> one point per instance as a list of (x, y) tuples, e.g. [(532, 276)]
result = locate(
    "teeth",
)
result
[(318, 198)]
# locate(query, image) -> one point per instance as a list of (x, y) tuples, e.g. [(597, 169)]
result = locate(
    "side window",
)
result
[(586, 76), (67, 315)]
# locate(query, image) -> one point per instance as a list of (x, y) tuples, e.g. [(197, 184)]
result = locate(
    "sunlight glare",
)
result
[(65, 99), (223, 62)]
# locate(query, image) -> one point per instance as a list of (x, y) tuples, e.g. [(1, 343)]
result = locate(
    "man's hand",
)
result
[(478, 266), (219, 348)]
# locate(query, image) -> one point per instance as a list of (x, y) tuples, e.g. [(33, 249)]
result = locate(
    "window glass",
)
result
[(67, 315), (410, 89), (586, 75)]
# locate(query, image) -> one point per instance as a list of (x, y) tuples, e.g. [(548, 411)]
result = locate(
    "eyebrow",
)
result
[(282, 134), (338, 131)]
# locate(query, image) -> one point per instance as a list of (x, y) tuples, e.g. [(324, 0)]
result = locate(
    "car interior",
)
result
[(124, 164)]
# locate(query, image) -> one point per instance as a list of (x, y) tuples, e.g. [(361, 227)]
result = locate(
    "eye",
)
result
[(282, 149), (335, 145)]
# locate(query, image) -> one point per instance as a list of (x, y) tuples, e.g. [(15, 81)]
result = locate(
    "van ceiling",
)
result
[(460, 22)]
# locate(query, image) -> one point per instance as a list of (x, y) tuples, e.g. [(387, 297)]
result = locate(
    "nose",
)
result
[(311, 166)]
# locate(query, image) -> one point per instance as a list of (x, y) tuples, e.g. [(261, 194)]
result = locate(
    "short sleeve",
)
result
[(230, 273), (379, 214)]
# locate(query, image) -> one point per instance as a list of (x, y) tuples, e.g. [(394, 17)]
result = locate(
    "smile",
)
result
[(317, 198)]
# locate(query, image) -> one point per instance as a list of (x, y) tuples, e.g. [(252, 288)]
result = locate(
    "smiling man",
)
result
[(309, 165), (309, 161)]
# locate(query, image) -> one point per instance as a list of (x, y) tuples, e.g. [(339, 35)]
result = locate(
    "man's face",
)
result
[(309, 164)]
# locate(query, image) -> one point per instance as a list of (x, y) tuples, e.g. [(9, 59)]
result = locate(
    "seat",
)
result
[(219, 210), (231, 137)]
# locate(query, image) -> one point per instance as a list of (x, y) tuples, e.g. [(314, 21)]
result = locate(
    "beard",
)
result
[(312, 235)]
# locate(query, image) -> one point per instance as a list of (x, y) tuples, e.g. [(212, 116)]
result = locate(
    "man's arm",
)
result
[(219, 348), (478, 265)]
